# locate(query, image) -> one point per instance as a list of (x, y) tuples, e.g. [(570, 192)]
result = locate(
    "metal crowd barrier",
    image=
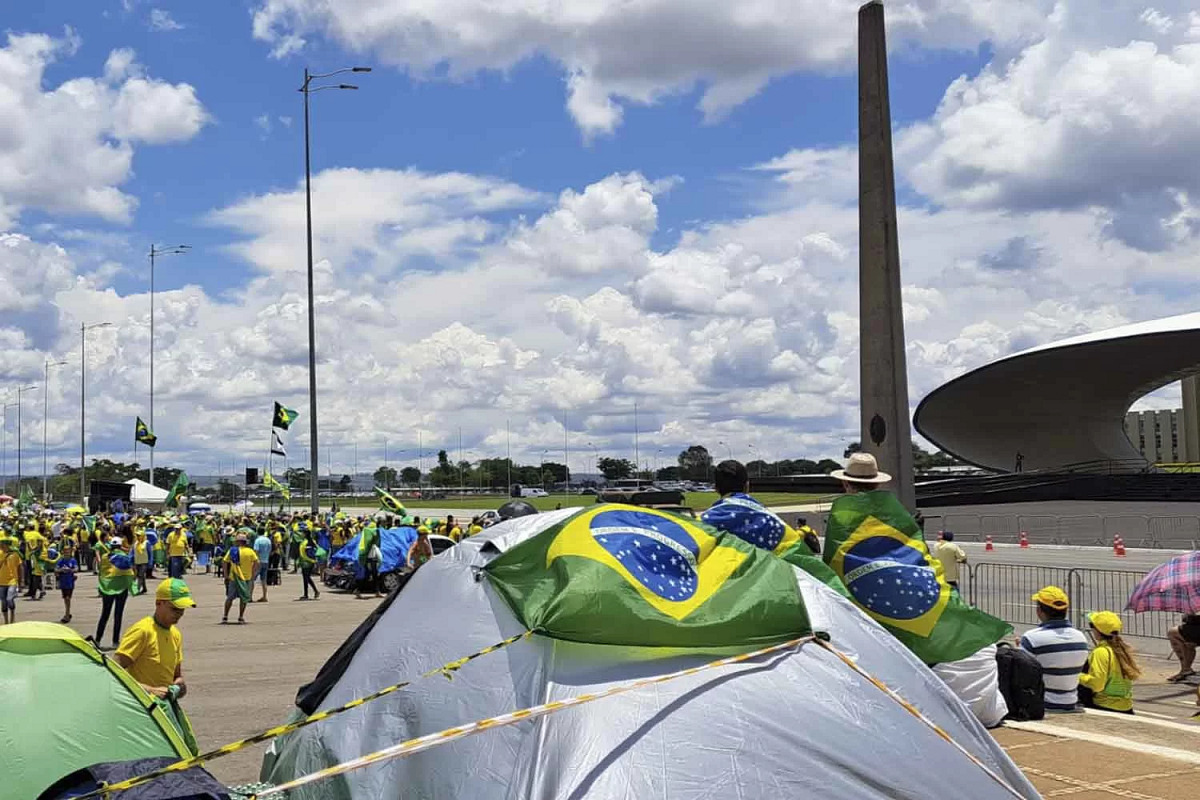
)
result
[(1006, 591), (1171, 532)]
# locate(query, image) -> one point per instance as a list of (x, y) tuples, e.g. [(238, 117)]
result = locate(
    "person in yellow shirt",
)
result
[(152, 649), (1106, 682), (177, 545), (10, 578), (475, 527), (241, 565), (451, 528)]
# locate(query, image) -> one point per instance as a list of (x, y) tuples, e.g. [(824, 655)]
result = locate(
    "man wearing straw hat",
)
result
[(861, 474)]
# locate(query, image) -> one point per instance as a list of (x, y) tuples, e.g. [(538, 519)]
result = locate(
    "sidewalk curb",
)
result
[(1186, 756)]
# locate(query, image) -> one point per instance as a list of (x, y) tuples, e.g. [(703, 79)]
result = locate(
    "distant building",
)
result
[(1168, 437)]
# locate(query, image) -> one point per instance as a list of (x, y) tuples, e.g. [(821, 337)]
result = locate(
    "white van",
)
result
[(527, 491)]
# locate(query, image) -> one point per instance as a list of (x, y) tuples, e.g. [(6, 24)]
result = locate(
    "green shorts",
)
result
[(239, 589)]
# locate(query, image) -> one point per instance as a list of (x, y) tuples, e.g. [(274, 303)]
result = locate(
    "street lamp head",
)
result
[(346, 86), (360, 69)]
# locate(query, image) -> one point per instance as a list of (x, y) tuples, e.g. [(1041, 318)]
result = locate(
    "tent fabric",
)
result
[(67, 707), (144, 492), (191, 784), (788, 726)]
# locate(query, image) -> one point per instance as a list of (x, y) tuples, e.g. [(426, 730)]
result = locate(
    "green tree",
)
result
[(851, 449), (615, 469), (444, 474), (758, 468), (410, 476), (695, 463), (827, 465), (667, 474), (555, 472), (297, 478), (385, 477), (345, 484)]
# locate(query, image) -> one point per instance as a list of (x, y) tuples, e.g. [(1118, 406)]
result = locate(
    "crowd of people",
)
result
[(42, 551)]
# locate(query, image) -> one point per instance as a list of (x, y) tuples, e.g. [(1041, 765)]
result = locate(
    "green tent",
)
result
[(66, 706)]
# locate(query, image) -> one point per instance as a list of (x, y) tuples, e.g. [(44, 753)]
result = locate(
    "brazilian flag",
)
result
[(270, 482), (179, 487), (390, 504), (878, 550), (744, 517), (143, 435), (625, 575), (283, 417)]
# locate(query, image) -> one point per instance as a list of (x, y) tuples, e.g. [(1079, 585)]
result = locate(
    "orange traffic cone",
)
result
[(988, 545), (1118, 545), (1024, 539)]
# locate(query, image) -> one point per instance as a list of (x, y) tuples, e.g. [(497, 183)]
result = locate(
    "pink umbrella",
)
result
[(1173, 586), (5, 499)]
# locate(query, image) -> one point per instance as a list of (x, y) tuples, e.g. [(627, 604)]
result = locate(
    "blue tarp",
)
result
[(394, 542)]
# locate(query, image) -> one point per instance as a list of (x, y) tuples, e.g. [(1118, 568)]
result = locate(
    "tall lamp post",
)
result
[(45, 427), (83, 329), (155, 252), (4, 447), (20, 390), (754, 453), (728, 450), (307, 89)]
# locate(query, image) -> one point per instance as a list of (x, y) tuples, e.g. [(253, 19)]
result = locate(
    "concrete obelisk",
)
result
[(883, 369)]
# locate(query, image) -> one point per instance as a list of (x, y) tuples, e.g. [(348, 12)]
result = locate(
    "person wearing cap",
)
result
[(151, 651), (1060, 647), (241, 565), (10, 578), (1107, 681), (177, 547)]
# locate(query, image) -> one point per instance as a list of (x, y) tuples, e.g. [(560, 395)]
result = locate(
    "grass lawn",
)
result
[(695, 500)]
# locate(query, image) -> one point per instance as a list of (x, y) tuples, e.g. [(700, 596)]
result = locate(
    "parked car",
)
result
[(489, 517)]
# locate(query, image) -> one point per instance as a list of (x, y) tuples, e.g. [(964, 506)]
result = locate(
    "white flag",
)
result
[(277, 445)]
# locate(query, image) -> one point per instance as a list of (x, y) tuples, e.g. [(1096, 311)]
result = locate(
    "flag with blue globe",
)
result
[(879, 551)]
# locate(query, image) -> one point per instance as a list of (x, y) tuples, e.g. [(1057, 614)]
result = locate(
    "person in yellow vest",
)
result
[(241, 565), (10, 578), (475, 527), (1106, 682)]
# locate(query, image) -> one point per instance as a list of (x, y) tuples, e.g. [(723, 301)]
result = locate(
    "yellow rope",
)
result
[(446, 669)]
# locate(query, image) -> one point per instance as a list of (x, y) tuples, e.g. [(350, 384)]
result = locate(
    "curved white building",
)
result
[(1062, 403)]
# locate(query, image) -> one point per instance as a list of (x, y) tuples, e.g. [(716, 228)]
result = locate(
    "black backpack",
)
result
[(1020, 678)]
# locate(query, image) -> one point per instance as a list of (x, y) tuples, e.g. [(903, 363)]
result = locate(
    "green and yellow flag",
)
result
[(390, 504), (25, 501), (623, 575), (143, 435), (878, 550), (270, 482), (283, 417), (178, 488)]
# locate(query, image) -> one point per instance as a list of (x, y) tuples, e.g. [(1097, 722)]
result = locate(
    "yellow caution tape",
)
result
[(446, 669), (916, 712), (429, 741), (432, 740)]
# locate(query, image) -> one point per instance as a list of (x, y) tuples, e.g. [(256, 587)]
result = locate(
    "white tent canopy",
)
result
[(798, 724), (144, 493)]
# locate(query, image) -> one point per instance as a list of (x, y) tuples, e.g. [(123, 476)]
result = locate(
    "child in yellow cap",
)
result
[(1107, 681)]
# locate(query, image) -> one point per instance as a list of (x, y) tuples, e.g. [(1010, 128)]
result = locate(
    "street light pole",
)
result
[(306, 90), (728, 449), (20, 389), (45, 428), (177, 250), (4, 447), (83, 329)]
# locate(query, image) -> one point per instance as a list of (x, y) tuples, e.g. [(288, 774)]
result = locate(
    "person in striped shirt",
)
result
[(1059, 647)]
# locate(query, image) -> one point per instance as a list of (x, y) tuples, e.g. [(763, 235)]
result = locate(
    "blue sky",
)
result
[(533, 211)]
